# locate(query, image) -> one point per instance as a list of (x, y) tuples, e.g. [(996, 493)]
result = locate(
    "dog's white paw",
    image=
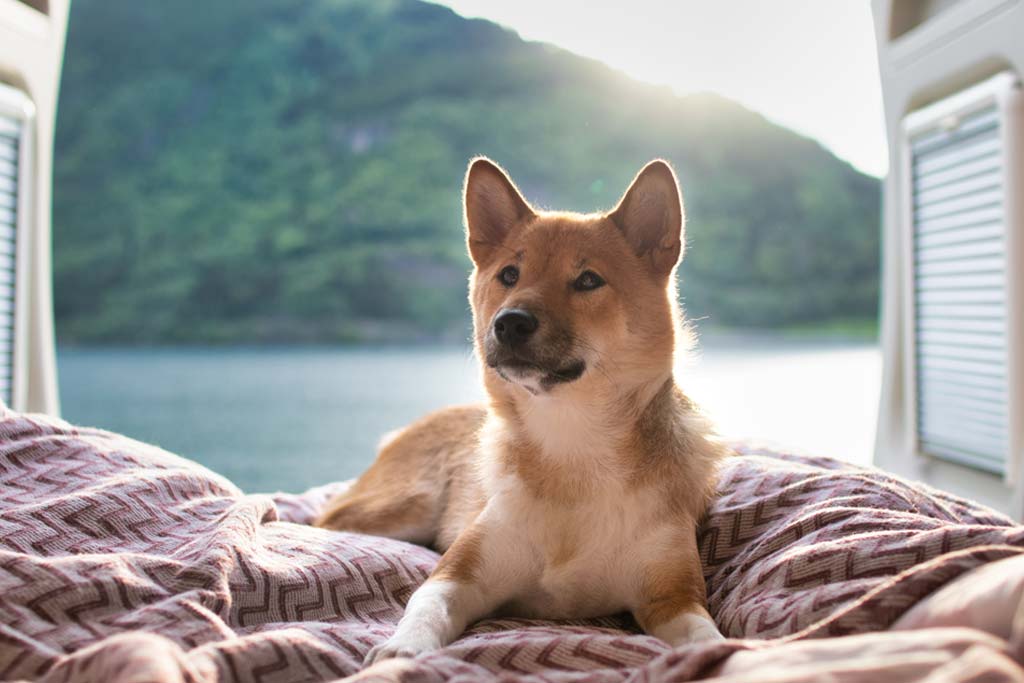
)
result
[(687, 629), (703, 629), (401, 645)]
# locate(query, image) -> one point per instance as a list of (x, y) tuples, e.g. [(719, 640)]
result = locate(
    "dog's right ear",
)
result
[(493, 207)]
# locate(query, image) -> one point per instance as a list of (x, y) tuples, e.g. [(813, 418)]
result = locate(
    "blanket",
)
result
[(120, 562)]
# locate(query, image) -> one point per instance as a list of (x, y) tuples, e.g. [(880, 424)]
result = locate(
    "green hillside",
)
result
[(289, 170)]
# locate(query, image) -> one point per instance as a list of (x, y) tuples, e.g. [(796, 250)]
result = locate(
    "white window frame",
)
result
[(15, 104), (1002, 90)]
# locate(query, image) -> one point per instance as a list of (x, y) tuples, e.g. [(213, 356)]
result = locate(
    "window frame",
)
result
[(16, 104)]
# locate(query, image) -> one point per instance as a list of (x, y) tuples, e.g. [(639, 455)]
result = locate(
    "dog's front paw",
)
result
[(401, 645), (687, 629), (702, 630)]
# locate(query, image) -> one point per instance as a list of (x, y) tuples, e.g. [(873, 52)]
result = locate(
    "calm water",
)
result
[(289, 419)]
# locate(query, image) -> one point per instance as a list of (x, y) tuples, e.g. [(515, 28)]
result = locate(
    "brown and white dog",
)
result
[(577, 489)]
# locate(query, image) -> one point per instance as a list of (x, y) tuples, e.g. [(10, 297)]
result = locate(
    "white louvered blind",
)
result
[(10, 134), (961, 288)]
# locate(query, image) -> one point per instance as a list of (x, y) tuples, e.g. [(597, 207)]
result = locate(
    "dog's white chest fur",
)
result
[(587, 552), (587, 555)]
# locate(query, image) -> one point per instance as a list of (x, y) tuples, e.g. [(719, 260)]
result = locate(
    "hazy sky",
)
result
[(809, 65)]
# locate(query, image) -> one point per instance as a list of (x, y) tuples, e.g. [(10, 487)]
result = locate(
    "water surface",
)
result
[(287, 419)]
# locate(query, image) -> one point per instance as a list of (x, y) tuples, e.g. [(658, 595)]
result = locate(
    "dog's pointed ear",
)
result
[(493, 207), (650, 215)]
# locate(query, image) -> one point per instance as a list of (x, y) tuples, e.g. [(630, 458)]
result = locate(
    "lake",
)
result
[(288, 419)]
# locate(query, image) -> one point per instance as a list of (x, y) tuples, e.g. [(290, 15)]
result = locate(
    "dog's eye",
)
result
[(587, 281), (509, 276)]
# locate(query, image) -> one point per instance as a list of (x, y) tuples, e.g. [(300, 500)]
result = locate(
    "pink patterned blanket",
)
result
[(121, 562)]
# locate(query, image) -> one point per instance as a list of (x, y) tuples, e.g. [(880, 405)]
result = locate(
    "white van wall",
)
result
[(31, 53)]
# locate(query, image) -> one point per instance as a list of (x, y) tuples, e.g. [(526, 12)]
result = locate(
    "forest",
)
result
[(289, 171)]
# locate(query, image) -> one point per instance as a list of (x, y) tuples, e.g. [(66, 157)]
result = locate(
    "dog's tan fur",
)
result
[(577, 490)]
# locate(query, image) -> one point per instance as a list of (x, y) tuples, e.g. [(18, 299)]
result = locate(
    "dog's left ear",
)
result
[(650, 215)]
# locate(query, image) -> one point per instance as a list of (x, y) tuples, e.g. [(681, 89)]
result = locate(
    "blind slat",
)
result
[(993, 464), (961, 281), (983, 165), (984, 264), (949, 394), (980, 183), (956, 235), (967, 339), (975, 200), (965, 250), (961, 152)]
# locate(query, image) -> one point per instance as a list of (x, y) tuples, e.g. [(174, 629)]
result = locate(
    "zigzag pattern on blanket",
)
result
[(786, 546), (120, 561)]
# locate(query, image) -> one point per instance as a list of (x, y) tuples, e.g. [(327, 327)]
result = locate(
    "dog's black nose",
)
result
[(513, 326)]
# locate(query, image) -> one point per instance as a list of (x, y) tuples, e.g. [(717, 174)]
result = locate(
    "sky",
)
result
[(809, 65)]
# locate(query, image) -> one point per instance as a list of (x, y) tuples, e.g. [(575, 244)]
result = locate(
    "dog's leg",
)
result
[(671, 597), (418, 486), (412, 518), (484, 567)]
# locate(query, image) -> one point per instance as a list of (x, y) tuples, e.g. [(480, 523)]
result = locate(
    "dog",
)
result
[(577, 489)]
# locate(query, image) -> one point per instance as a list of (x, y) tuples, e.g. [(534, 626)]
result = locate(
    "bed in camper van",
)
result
[(122, 562)]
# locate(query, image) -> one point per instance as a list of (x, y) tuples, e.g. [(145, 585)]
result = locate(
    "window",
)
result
[(15, 115), (964, 265)]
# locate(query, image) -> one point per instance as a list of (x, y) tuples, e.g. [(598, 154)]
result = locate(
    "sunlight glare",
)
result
[(809, 65)]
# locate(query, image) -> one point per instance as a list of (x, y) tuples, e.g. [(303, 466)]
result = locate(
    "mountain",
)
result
[(289, 171)]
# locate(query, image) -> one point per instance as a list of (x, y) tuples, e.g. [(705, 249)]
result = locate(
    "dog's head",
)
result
[(565, 302)]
